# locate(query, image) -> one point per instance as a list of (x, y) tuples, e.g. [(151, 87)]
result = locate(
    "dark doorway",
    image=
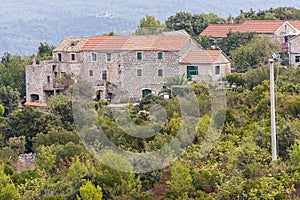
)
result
[(145, 92), (34, 97)]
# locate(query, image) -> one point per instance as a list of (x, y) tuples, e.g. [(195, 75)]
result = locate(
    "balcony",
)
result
[(53, 86)]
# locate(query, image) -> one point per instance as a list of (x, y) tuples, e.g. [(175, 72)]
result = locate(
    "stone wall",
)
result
[(121, 72), (40, 78), (294, 51)]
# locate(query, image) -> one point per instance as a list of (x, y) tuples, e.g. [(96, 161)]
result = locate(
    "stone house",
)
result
[(132, 66), (294, 51), (211, 64), (279, 30)]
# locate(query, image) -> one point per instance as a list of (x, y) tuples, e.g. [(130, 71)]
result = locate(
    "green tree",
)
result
[(181, 183), (176, 80), (110, 34), (258, 51), (17, 143), (1, 113), (9, 98), (295, 154), (12, 68), (55, 135), (61, 105), (90, 192), (8, 190), (46, 159), (281, 13), (149, 26), (45, 51), (118, 184), (234, 40), (255, 77), (1, 110), (192, 24), (17, 124)]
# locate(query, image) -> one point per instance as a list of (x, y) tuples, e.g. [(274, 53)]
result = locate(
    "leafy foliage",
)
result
[(251, 55), (149, 26), (9, 98), (12, 68), (192, 24), (238, 166), (235, 40)]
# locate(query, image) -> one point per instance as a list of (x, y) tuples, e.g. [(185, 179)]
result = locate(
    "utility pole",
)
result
[(273, 122)]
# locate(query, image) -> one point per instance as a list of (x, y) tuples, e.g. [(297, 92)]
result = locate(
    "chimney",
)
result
[(34, 61)]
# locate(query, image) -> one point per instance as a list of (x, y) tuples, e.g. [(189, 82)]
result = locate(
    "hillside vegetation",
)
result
[(221, 152)]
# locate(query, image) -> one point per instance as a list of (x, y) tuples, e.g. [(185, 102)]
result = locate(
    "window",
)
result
[(72, 56), (297, 59), (217, 69), (53, 67), (48, 79), (160, 55), (192, 71), (94, 57), (108, 57), (59, 56), (91, 72), (160, 72), (104, 75), (139, 55), (139, 72), (119, 69), (55, 74)]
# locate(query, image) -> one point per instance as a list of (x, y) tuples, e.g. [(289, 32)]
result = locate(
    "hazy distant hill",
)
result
[(26, 23)]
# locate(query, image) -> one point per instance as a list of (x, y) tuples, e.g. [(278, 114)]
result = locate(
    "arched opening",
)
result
[(98, 95), (145, 92), (34, 97)]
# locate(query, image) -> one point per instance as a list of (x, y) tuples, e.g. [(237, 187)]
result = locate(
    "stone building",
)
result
[(294, 51), (129, 65), (279, 30)]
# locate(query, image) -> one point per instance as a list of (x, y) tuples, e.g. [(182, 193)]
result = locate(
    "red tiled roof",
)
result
[(260, 26), (105, 43), (218, 30), (201, 56), (257, 26), (295, 24), (35, 104), (143, 42)]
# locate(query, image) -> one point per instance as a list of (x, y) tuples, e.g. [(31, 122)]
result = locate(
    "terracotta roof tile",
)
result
[(201, 57), (295, 24), (218, 30), (257, 26), (143, 42), (35, 104), (260, 26), (105, 43)]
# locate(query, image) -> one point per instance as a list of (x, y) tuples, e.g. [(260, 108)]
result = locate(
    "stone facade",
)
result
[(294, 51), (124, 70)]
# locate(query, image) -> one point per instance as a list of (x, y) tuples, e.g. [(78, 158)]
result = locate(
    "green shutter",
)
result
[(139, 55), (192, 71), (159, 55), (139, 72), (160, 72)]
